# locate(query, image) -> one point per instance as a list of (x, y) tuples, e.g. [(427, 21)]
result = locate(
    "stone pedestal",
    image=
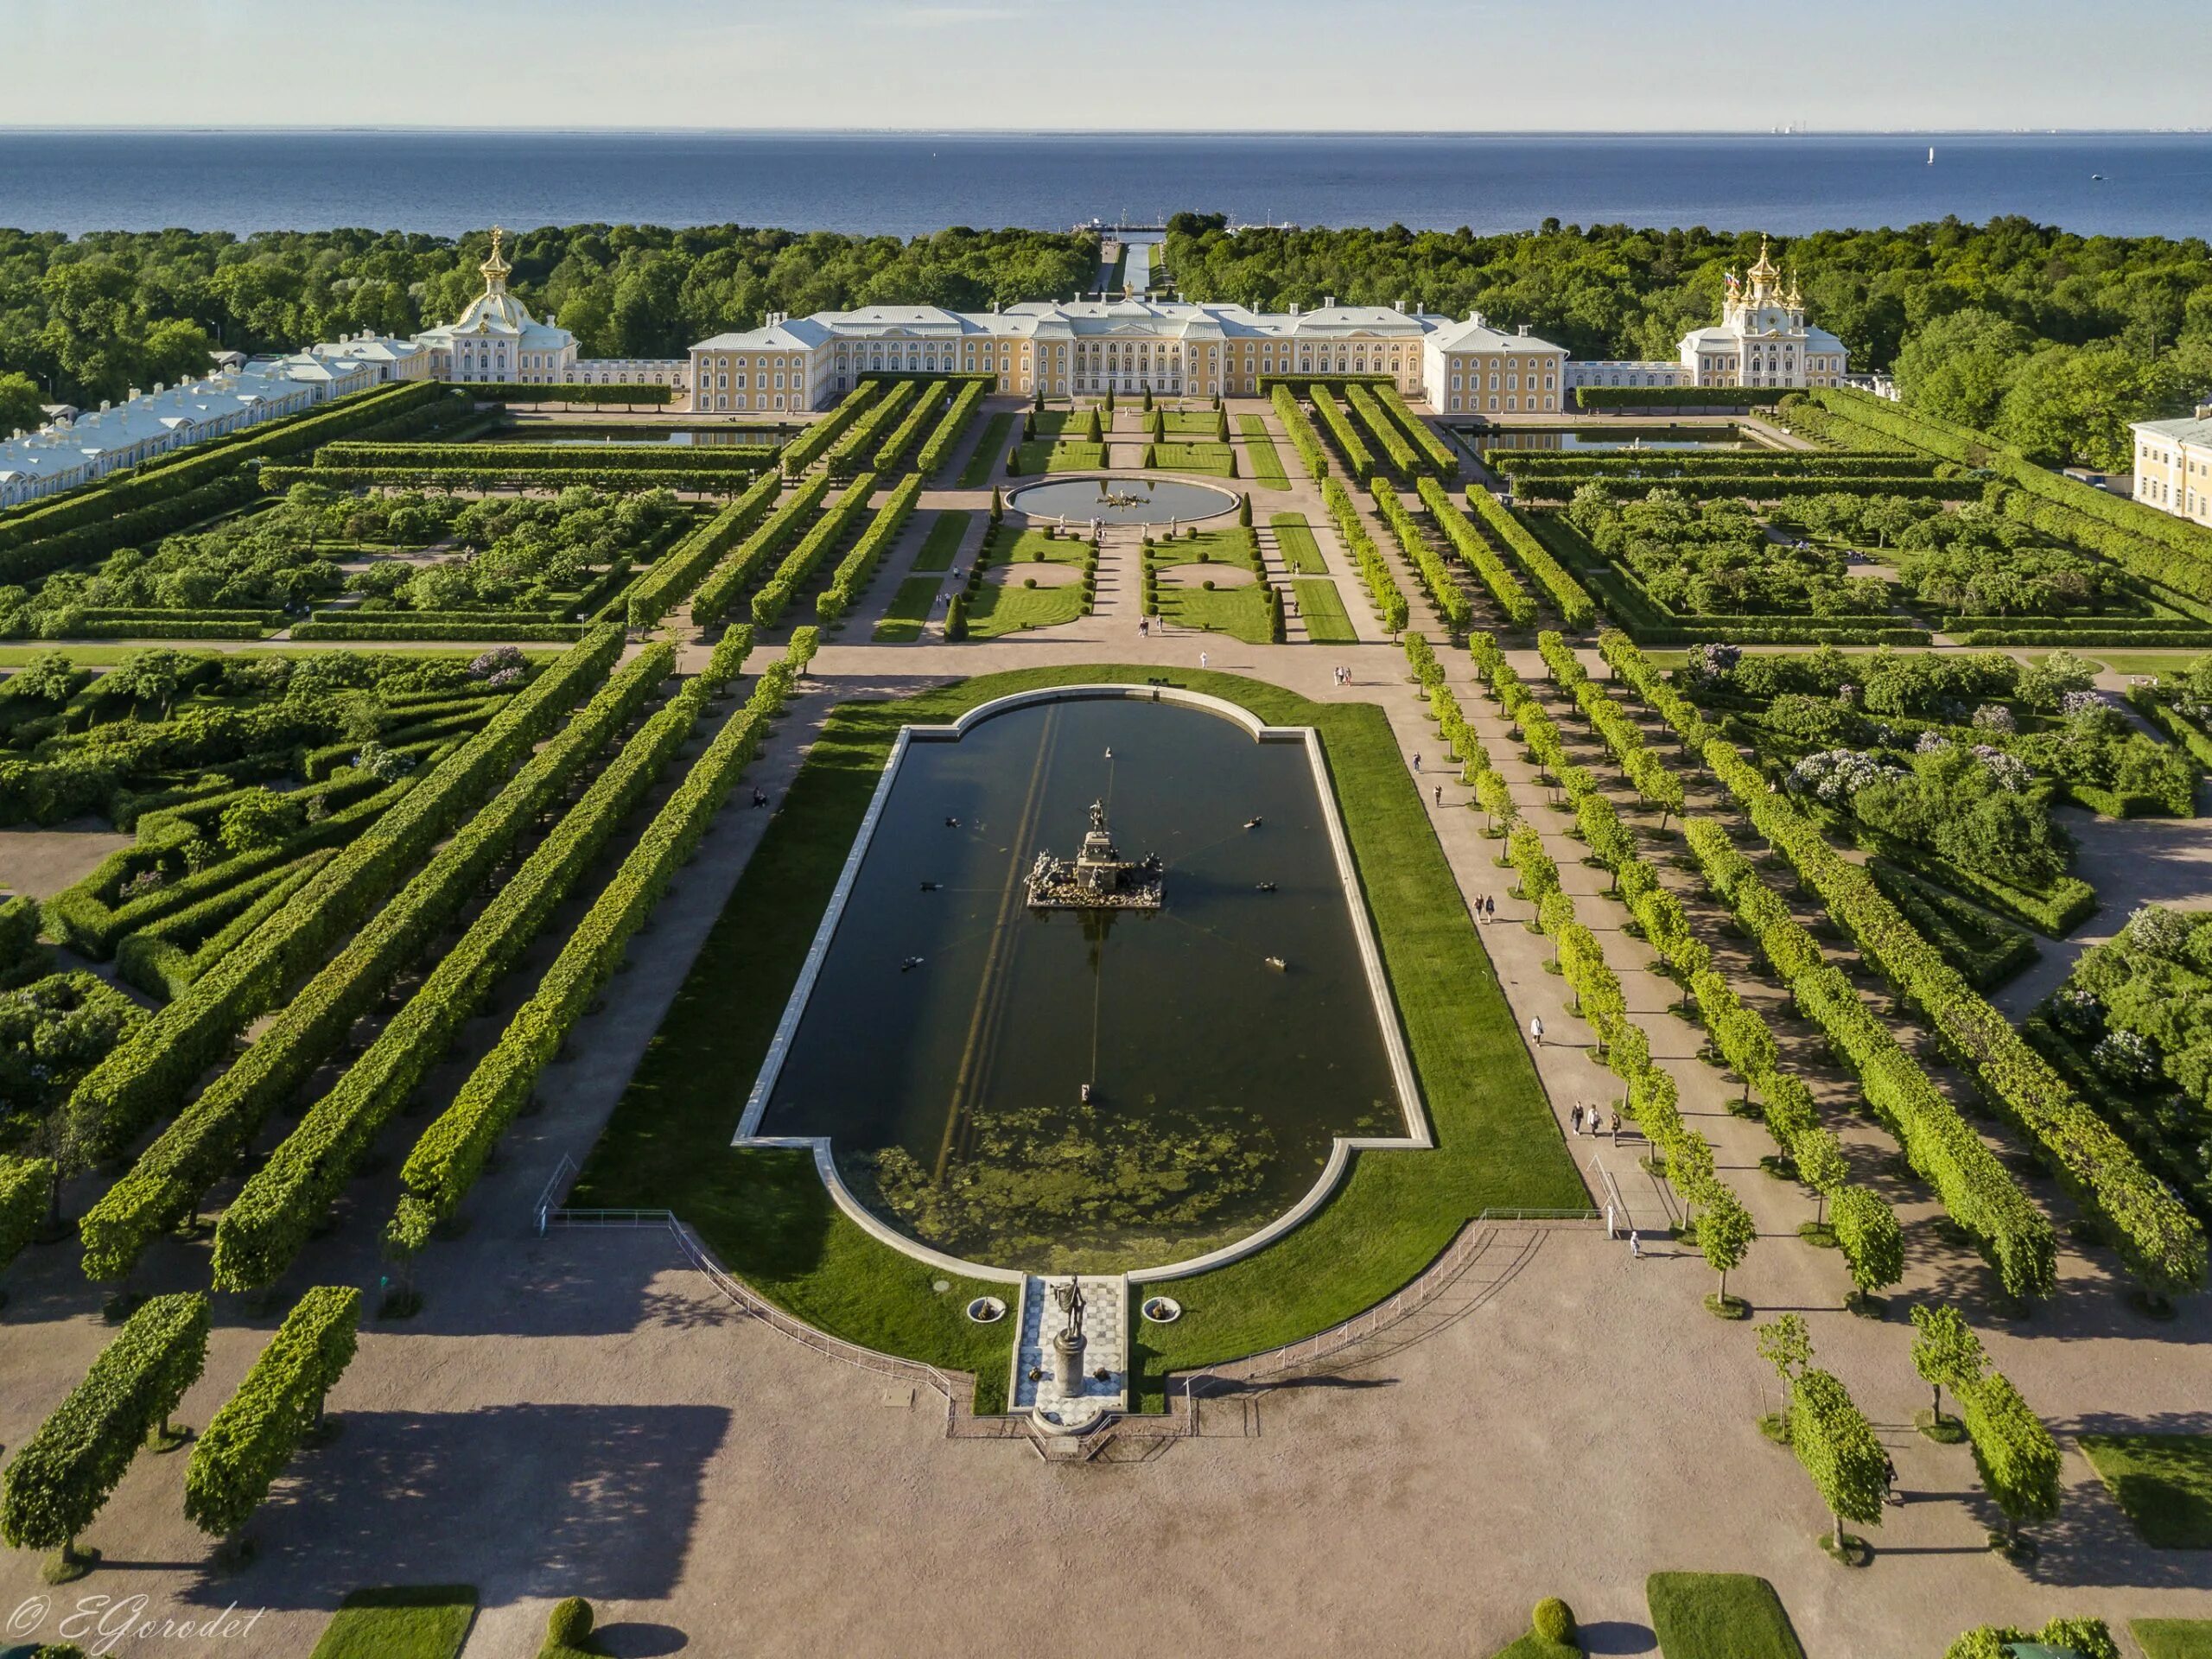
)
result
[(1067, 1364)]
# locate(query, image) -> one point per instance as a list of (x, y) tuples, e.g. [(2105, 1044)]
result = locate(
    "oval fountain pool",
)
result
[(1122, 500)]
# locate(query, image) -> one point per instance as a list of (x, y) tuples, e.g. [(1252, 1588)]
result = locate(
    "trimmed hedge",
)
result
[(938, 449), (1437, 456), (684, 566), (151, 1071), (451, 1152), (1647, 464), (1358, 460), (547, 457), (857, 567), (719, 593), (513, 391), (1395, 446), (1717, 398), (1443, 591), (175, 1170), (461, 628), (1390, 608), (2017, 1459), (598, 475), (26, 1188), (810, 445), (2157, 1237), (800, 564), (249, 1440), (862, 435), (1565, 594), (62, 1476), (1303, 437), (892, 455)]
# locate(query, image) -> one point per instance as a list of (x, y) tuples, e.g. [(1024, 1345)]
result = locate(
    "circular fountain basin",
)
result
[(1134, 500), (987, 1310)]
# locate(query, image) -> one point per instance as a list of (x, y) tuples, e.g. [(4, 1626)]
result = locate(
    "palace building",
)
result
[(1176, 349), (1762, 340), (2173, 466)]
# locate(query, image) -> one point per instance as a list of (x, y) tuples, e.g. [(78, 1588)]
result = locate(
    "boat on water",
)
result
[(1931, 155)]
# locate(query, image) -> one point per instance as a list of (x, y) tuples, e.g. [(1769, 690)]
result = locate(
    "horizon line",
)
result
[(1786, 131)]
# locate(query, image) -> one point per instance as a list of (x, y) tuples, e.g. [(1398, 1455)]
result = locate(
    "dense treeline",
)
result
[(90, 318), (2052, 340)]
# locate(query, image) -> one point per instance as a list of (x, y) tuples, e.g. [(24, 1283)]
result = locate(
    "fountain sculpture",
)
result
[(1098, 877)]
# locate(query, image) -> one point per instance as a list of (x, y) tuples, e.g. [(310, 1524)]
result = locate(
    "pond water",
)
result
[(951, 1091), (1136, 500), (1607, 439), (719, 437)]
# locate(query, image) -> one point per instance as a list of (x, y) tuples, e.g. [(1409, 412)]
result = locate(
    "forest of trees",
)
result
[(2052, 340)]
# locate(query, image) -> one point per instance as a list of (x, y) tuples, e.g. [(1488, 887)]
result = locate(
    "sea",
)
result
[(912, 183)]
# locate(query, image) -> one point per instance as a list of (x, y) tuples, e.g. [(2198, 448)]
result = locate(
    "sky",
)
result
[(1198, 65)]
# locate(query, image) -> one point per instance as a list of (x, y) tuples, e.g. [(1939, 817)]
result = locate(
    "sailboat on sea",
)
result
[(1931, 155)]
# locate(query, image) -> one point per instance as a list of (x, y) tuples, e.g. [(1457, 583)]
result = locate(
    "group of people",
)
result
[(1341, 676), (1588, 1120), (1486, 909)]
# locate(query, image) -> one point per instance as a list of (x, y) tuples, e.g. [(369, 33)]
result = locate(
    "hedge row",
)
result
[(1439, 456), (65, 1471), (810, 445), (1385, 430), (1679, 396), (851, 578), (892, 455), (463, 629), (281, 1204), (684, 566), (513, 391), (151, 1070), (2155, 1234), (800, 564), (1443, 590), (141, 524), (123, 495), (451, 1152), (1358, 460), (1692, 464), (1504, 586), (2155, 704), (548, 457), (160, 964), (720, 591), (1390, 608), (861, 436), (172, 1174), (1758, 486), (2018, 1458), (1837, 1449), (26, 1190), (2069, 902), (2181, 578), (252, 1436), (598, 475), (1303, 437), (938, 449), (1564, 593)]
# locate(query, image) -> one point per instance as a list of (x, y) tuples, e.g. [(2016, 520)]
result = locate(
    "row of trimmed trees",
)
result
[(2014, 1452), (58, 1483)]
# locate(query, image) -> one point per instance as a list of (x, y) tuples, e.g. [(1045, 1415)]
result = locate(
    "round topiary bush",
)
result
[(570, 1625), (1555, 1620)]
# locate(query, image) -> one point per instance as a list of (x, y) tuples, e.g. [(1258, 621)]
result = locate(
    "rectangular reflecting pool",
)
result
[(1608, 440), (1227, 1039)]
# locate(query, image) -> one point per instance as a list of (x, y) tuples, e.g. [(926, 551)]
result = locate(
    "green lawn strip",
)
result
[(768, 1217), (1035, 547), (1240, 610), (1068, 456), (1533, 1646), (1498, 1144), (1212, 460), (1206, 547), (2172, 1638), (909, 609), (407, 1621), (1260, 449), (2163, 1483), (942, 543), (1718, 1616), (989, 450), (1301, 554), (2135, 662), (1327, 623), (1012, 608), (1189, 422)]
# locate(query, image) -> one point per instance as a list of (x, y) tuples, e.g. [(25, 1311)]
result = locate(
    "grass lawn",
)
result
[(909, 608), (1190, 422), (1014, 609), (943, 542), (1533, 1646), (407, 1621), (998, 432), (1206, 547), (1241, 611), (1260, 449), (1062, 455), (1718, 1616), (1212, 460), (1327, 623), (767, 1215), (2172, 1638), (2163, 1482), (1294, 540), (2133, 662)]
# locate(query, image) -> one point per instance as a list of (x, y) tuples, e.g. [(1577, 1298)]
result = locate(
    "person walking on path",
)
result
[(1489, 904), (1617, 1129), (1416, 762), (1635, 1245), (1202, 659), (1578, 1117), (1536, 1029), (1440, 794)]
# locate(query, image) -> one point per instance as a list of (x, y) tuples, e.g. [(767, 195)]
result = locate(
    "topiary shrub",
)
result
[(1554, 1620), (569, 1625)]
